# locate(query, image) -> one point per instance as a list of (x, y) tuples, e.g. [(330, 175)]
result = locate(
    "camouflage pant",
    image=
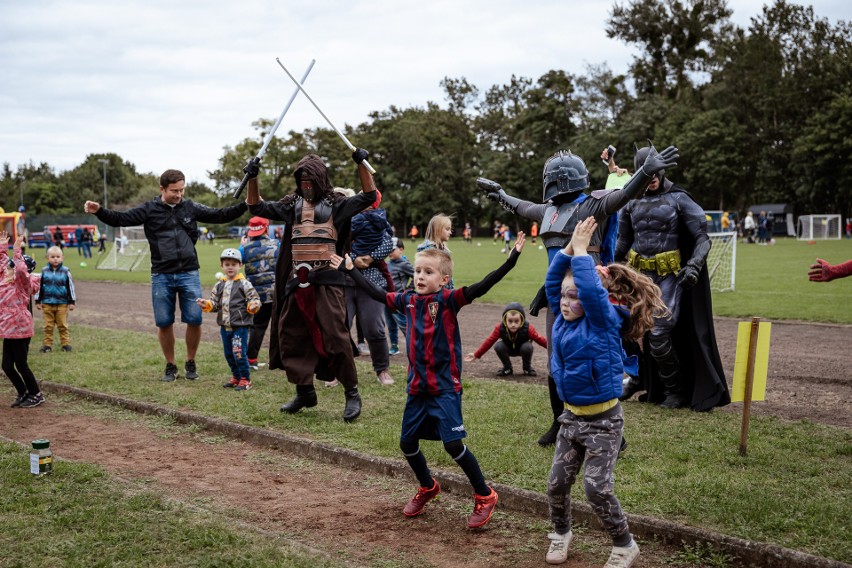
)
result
[(595, 440)]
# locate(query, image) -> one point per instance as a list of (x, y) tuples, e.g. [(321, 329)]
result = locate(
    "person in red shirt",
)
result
[(512, 337)]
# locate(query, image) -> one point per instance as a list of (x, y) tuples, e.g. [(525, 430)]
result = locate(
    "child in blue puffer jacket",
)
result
[(595, 307)]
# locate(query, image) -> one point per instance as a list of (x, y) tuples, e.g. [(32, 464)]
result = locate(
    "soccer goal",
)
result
[(129, 252), (818, 227), (722, 261)]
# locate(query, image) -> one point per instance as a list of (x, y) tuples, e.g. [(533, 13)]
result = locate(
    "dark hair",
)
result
[(171, 176)]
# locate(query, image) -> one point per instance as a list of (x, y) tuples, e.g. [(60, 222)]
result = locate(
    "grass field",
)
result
[(771, 281), (792, 489)]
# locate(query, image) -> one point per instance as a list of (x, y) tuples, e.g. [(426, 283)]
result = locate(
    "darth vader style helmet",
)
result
[(564, 177)]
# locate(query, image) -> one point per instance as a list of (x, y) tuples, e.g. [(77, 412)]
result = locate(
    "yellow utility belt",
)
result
[(663, 263), (591, 409)]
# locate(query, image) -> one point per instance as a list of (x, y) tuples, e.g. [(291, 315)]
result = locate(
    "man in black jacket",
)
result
[(170, 227)]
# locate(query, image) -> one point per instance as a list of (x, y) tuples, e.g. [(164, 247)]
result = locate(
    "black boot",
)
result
[(631, 387), (306, 397), (353, 404), (673, 400), (674, 394), (549, 437)]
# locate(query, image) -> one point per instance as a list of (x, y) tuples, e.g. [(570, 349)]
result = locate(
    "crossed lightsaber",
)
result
[(299, 87)]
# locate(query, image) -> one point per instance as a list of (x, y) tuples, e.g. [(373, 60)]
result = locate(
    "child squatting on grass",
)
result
[(55, 298), (594, 307), (16, 321), (512, 337), (236, 301), (433, 409)]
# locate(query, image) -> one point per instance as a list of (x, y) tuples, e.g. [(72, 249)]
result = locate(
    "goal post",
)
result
[(818, 227), (722, 261), (129, 252)]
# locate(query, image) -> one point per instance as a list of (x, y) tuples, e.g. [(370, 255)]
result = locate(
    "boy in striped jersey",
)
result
[(433, 408)]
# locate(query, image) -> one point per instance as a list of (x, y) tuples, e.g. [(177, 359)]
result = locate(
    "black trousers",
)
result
[(504, 352), (258, 330), (16, 367)]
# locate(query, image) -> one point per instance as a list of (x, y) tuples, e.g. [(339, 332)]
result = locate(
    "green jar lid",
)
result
[(41, 444)]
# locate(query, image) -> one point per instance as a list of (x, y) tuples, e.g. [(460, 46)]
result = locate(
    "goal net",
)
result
[(722, 261), (818, 227), (129, 251)]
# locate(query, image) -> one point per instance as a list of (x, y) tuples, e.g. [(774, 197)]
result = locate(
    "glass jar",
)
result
[(41, 458)]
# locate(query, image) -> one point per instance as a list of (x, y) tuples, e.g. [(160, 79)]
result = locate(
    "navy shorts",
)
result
[(186, 286), (433, 417)]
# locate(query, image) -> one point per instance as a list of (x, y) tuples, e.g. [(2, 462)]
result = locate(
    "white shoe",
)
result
[(363, 349), (558, 551), (623, 556), (333, 383)]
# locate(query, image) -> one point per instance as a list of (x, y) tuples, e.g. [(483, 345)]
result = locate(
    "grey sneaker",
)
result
[(170, 373), (32, 401), (190, 372)]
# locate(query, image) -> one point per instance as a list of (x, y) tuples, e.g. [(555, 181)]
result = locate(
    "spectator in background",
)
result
[(48, 240), (86, 242), (101, 242), (78, 238), (726, 222), (259, 255), (761, 228), (748, 227), (413, 233), (770, 227), (58, 238)]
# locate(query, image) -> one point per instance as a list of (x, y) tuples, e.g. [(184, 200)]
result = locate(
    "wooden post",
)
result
[(749, 385)]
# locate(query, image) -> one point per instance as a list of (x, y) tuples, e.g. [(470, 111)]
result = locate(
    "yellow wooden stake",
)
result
[(752, 352)]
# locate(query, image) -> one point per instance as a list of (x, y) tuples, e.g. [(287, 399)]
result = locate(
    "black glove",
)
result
[(657, 161), (359, 155), (488, 186), (687, 277), (252, 168)]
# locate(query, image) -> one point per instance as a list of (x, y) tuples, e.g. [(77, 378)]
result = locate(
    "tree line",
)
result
[(760, 115)]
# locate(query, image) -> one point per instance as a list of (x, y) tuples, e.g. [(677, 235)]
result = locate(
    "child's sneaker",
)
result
[(394, 350), (190, 372), (66, 348), (18, 400), (423, 496), (530, 372), (232, 383), (558, 551), (45, 349), (623, 556), (244, 385), (504, 372), (253, 364), (483, 508), (333, 383), (32, 401)]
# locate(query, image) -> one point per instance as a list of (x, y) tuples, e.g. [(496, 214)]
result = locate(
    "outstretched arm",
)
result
[(345, 264), (483, 286), (822, 271), (525, 209)]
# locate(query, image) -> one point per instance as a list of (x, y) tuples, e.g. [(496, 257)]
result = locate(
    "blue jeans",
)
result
[(235, 344), (164, 287), (396, 323)]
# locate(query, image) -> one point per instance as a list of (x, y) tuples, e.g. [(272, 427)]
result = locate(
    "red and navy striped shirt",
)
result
[(432, 334)]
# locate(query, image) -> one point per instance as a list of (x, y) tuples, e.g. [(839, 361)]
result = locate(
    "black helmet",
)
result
[(564, 174)]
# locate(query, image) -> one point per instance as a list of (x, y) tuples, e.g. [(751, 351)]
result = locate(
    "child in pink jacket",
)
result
[(16, 323)]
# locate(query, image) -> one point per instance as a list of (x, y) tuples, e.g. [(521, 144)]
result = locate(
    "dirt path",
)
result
[(351, 515), (810, 365)]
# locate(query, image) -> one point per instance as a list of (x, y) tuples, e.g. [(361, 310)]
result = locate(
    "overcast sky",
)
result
[(168, 84)]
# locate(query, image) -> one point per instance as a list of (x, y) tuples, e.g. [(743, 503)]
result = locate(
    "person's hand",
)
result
[(4, 237), (469, 358), (359, 155), (519, 244), (253, 307), (822, 271), (363, 262), (252, 169), (336, 261), (490, 188), (70, 307), (687, 277), (91, 207), (656, 161), (583, 235)]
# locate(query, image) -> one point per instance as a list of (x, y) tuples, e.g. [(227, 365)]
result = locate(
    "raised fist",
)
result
[(656, 161), (359, 155), (687, 277), (252, 169)]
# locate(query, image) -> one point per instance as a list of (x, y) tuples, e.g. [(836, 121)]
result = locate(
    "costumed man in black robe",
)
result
[(309, 334), (565, 181), (664, 236)]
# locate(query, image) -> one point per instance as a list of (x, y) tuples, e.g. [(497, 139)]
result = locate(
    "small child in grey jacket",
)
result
[(236, 301)]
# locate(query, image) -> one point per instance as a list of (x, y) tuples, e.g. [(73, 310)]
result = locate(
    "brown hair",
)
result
[(639, 293), (169, 177), (445, 261)]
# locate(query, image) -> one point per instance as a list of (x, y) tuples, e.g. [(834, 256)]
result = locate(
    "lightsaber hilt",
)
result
[(319, 110)]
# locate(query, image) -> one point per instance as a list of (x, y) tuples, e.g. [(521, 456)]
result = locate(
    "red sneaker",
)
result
[(483, 508), (424, 495), (244, 385), (234, 382)]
